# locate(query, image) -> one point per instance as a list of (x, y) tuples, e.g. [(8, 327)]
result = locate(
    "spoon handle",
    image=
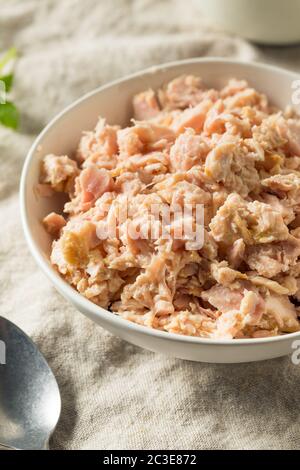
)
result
[(4, 447)]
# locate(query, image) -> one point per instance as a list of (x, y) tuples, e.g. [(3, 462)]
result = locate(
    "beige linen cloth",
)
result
[(115, 395)]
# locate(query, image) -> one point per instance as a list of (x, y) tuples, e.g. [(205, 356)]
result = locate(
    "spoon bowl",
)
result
[(30, 401)]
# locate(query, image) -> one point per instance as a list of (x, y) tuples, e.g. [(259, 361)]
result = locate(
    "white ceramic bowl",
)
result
[(113, 101)]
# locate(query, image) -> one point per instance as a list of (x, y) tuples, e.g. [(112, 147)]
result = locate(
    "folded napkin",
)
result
[(115, 395)]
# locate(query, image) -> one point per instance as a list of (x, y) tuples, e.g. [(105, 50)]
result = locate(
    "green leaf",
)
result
[(9, 115), (7, 57), (8, 81)]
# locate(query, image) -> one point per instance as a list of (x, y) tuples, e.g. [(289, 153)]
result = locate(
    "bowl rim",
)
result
[(67, 290)]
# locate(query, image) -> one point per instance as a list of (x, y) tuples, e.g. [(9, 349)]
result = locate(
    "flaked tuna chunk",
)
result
[(267, 284), (106, 162), (239, 307), (100, 146), (265, 260), (252, 307), (283, 311), (232, 165), (230, 222), (150, 288), (297, 293), (145, 106), (295, 270), (54, 223), (254, 222), (76, 242), (146, 166), (188, 150), (129, 183), (236, 253), (292, 163), (192, 118), (284, 184), (245, 97), (182, 92), (219, 121), (269, 162), (287, 282), (93, 183), (210, 248), (214, 121), (234, 86), (229, 325), (265, 224), (296, 231), (287, 188), (290, 130), (70, 251), (59, 172), (271, 259), (225, 275), (223, 298), (268, 135), (143, 137), (219, 197), (219, 161), (182, 301), (280, 205)]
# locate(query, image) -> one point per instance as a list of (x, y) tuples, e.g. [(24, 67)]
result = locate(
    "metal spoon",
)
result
[(29, 396)]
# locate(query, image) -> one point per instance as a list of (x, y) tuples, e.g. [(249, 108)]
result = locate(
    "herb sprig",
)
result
[(9, 115)]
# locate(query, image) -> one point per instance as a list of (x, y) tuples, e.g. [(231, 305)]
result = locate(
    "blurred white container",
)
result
[(263, 21)]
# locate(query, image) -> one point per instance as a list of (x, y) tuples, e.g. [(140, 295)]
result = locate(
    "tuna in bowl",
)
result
[(216, 142)]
